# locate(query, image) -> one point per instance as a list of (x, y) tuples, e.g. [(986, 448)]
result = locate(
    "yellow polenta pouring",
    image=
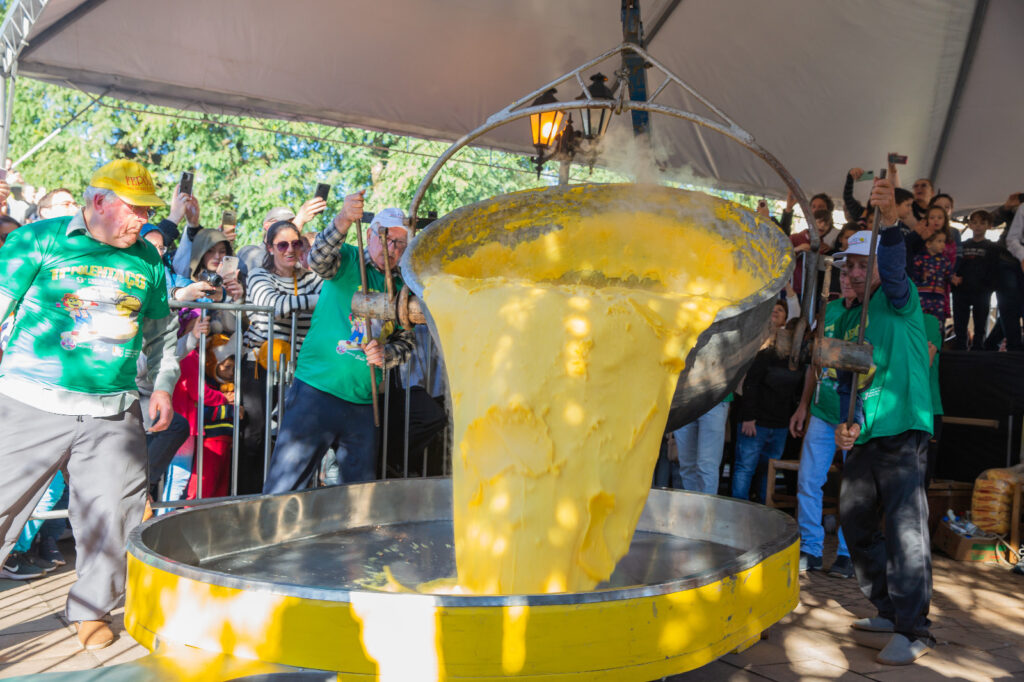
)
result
[(565, 317)]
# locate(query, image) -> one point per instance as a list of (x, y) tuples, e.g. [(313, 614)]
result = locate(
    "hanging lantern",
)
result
[(595, 121), (545, 126)]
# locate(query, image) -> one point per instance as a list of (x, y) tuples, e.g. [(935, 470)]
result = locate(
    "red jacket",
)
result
[(185, 399)]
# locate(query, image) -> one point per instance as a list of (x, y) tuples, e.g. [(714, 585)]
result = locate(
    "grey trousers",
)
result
[(106, 462)]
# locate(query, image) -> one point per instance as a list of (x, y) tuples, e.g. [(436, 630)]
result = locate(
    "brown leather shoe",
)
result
[(94, 634)]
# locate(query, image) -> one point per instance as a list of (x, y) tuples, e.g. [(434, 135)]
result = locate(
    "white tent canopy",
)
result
[(822, 85)]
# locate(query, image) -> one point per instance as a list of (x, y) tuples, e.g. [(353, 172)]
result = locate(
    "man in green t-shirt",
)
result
[(815, 422), (330, 401), (884, 471), (89, 297)]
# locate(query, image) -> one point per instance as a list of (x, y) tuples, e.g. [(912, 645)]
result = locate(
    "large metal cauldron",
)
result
[(723, 352), (282, 579)]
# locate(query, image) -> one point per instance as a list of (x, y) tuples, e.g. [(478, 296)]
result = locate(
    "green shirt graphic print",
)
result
[(80, 303), (332, 358), (898, 397)]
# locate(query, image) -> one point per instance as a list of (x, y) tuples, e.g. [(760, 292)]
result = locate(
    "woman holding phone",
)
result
[(283, 283)]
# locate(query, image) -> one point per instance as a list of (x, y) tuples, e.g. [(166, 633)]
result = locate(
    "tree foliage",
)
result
[(251, 165), (248, 165)]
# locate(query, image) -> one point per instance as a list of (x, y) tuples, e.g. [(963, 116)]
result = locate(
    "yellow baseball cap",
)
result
[(129, 180)]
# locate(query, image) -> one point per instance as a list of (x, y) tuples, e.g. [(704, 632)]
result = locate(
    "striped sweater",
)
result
[(264, 288)]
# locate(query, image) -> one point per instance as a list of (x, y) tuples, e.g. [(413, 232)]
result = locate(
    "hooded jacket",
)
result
[(221, 321), (204, 241)]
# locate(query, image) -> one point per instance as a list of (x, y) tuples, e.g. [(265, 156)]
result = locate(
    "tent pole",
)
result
[(633, 63), (8, 112), (3, 123)]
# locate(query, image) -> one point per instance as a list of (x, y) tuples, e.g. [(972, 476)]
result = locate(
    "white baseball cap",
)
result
[(388, 218), (859, 244)]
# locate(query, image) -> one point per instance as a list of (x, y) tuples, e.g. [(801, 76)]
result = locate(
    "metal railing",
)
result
[(280, 372)]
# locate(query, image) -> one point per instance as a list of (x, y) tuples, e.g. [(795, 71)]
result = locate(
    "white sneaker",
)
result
[(902, 651)]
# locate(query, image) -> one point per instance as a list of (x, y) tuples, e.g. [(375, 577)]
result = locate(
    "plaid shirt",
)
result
[(325, 259)]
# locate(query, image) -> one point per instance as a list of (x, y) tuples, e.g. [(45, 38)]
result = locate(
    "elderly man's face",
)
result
[(844, 285), (398, 240), (856, 268), (115, 222)]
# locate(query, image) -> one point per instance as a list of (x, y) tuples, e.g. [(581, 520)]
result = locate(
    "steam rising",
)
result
[(643, 158)]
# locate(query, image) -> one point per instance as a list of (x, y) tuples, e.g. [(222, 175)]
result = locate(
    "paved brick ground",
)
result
[(978, 614)]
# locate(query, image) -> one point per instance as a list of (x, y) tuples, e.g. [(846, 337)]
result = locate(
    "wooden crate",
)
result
[(943, 495)]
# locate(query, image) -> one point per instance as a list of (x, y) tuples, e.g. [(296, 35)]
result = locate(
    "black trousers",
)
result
[(1008, 298), (427, 418), (161, 447), (886, 476), (966, 306), (252, 426)]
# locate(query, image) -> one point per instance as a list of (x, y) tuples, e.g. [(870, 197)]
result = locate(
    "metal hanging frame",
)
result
[(724, 125)]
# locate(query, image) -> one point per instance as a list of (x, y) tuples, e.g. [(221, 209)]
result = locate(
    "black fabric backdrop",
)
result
[(981, 385)]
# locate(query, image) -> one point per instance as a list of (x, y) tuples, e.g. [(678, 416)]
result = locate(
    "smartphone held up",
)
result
[(185, 186), (228, 267), (228, 223)]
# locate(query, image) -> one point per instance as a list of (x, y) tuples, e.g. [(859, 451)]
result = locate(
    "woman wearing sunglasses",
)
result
[(283, 283)]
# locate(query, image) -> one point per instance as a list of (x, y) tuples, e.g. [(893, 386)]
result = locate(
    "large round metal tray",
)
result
[(284, 579)]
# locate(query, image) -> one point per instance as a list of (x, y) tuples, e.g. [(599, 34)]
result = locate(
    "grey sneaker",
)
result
[(809, 562), (902, 651), (18, 567), (873, 624), (842, 567), (48, 550)]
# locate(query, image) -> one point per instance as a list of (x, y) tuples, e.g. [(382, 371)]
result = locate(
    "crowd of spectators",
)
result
[(931, 289), (326, 429), (957, 272), (328, 398)]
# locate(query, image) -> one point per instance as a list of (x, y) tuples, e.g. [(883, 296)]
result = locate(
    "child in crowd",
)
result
[(932, 271), (974, 281), (218, 410), (847, 231)]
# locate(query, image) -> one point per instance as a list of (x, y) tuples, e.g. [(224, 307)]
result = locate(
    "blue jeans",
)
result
[(666, 473), (818, 451), (176, 477), (46, 503), (752, 455), (700, 444), (313, 422)]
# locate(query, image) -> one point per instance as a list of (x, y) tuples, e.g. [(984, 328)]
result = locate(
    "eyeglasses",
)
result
[(147, 211), (397, 243), (295, 245)]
